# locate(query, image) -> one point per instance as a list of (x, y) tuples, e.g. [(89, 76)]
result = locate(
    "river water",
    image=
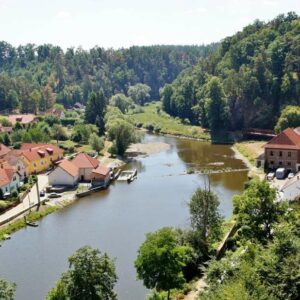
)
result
[(116, 220)]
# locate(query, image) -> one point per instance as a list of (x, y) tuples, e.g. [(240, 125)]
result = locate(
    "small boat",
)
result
[(32, 224), (127, 175)]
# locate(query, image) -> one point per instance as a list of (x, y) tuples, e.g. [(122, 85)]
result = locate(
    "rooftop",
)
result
[(287, 139), (69, 167), (83, 160), (23, 119)]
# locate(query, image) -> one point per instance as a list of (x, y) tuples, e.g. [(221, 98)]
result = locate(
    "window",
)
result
[(34, 164), (19, 168), (280, 163), (14, 179), (289, 154), (272, 153), (271, 162), (280, 153), (289, 164)]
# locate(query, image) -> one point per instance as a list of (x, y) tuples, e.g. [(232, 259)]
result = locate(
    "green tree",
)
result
[(5, 122), (7, 290), (257, 211), (205, 217), (140, 93), (34, 101), (122, 133), (121, 101), (95, 110), (96, 142), (91, 276), (216, 105), (160, 261), (6, 140), (290, 117), (59, 133)]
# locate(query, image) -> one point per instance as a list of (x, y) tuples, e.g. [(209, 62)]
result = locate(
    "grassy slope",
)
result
[(251, 150), (167, 124)]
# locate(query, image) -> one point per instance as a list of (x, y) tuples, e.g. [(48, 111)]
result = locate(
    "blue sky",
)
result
[(122, 23)]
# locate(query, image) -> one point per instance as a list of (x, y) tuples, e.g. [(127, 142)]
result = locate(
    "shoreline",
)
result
[(70, 198)]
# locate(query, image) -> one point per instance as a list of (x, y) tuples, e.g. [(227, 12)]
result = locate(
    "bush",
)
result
[(149, 127), (157, 129), (68, 121), (139, 125), (14, 194)]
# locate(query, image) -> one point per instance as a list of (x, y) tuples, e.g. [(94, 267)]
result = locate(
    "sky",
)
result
[(123, 23)]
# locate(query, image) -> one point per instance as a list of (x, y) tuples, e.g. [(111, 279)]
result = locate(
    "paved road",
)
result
[(29, 200)]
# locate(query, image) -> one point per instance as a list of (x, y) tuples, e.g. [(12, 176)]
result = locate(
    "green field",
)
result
[(166, 123)]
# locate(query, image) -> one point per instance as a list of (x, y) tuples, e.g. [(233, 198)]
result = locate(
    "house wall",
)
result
[(285, 158), (42, 164), (13, 185), (97, 179), (85, 174), (61, 177)]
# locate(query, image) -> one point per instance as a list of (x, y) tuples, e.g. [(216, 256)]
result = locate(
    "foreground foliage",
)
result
[(91, 276)]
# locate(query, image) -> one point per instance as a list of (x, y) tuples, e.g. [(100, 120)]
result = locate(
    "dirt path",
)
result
[(199, 286)]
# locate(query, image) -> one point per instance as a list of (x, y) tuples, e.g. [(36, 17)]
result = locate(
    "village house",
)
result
[(5, 129), (9, 179), (15, 159), (282, 151), (24, 120), (55, 112), (291, 189), (4, 150), (86, 164), (100, 176), (40, 157), (65, 174)]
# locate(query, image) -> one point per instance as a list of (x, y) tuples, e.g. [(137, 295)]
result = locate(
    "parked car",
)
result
[(42, 193), (271, 176), (291, 175), (280, 173), (54, 195)]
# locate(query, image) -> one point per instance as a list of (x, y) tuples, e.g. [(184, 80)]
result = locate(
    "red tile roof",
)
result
[(101, 170), (4, 150), (22, 119), (69, 167), (6, 174), (287, 139), (34, 152), (84, 161)]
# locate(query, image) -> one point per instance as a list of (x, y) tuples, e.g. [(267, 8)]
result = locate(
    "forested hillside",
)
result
[(246, 82), (34, 77)]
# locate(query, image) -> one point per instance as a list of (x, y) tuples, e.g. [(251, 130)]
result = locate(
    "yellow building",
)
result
[(39, 157)]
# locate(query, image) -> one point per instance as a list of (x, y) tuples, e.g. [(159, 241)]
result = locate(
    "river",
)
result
[(116, 220)]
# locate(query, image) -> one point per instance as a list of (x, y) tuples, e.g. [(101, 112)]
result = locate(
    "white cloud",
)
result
[(271, 2), (63, 15), (196, 11)]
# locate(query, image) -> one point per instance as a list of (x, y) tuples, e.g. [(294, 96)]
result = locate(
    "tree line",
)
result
[(245, 82), (34, 77)]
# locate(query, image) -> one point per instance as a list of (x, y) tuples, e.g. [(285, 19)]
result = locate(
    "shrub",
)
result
[(139, 125), (149, 127), (14, 194), (157, 129), (68, 121)]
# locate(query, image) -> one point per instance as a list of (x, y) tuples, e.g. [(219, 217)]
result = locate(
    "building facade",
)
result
[(283, 151)]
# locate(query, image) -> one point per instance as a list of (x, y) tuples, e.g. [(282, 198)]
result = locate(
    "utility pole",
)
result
[(38, 192)]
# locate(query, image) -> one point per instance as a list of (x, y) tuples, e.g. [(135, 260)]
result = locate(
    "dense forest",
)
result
[(33, 78), (246, 82)]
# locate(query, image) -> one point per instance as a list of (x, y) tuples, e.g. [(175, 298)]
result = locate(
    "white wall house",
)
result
[(86, 164), (9, 180), (66, 174), (291, 189)]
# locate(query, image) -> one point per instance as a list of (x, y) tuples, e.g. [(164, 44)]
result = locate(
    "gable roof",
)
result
[(4, 150), (69, 167), (101, 170), (23, 119), (6, 174), (83, 160), (34, 152), (287, 139)]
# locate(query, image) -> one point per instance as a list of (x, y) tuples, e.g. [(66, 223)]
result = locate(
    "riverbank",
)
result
[(247, 151)]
